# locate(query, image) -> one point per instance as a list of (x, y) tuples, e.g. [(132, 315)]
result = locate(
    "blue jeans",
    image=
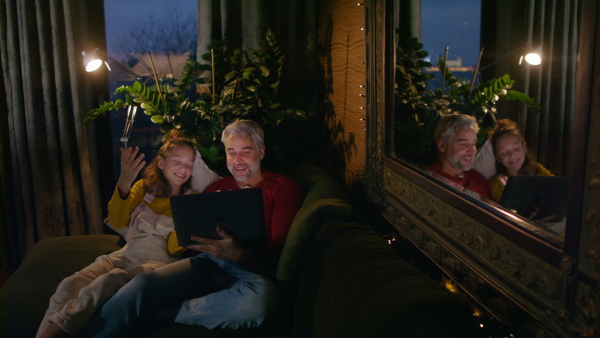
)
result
[(206, 291)]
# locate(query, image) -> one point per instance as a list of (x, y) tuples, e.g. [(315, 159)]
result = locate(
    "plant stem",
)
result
[(155, 77)]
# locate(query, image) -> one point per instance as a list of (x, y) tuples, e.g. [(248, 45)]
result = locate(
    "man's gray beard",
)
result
[(462, 167), (247, 176)]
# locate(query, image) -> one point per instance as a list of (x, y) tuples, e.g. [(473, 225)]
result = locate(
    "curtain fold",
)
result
[(243, 23), (408, 21), (551, 25), (49, 181)]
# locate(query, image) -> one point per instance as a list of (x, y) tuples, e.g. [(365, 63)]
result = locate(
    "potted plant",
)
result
[(243, 84)]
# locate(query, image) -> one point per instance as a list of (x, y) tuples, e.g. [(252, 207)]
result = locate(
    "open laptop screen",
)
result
[(240, 212), (546, 193)]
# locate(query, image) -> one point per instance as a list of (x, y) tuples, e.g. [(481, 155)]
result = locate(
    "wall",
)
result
[(342, 72)]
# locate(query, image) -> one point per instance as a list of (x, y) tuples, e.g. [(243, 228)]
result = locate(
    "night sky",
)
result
[(119, 14), (452, 23), (445, 23)]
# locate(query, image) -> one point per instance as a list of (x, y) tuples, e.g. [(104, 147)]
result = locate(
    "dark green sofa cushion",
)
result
[(355, 285), (323, 200), (303, 231), (316, 184), (24, 297)]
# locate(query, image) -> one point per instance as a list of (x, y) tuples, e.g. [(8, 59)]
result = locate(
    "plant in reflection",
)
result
[(417, 109), (244, 85)]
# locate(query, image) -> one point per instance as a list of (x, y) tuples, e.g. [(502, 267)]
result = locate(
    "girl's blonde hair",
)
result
[(154, 179), (509, 127)]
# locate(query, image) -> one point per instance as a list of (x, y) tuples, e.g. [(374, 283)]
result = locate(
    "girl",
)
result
[(510, 150), (146, 210)]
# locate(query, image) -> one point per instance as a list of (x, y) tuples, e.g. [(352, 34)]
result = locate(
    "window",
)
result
[(168, 30)]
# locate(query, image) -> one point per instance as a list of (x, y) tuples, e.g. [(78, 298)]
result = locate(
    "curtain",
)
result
[(48, 169), (245, 23), (552, 25), (408, 20)]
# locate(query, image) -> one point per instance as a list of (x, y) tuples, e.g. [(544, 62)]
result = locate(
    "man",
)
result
[(456, 139), (226, 285)]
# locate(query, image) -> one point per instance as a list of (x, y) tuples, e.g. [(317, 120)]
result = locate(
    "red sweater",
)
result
[(472, 180), (282, 198)]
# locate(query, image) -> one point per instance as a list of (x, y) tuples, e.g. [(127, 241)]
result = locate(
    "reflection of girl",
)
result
[(145, 208), (510, 150)]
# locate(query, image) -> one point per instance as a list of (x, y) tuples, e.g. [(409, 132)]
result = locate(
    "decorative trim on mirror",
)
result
[(473, 256)]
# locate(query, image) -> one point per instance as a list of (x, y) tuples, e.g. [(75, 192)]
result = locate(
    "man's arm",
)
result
[(286, 202)]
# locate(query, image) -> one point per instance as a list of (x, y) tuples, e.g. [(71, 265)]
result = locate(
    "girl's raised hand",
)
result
[(131, 165)]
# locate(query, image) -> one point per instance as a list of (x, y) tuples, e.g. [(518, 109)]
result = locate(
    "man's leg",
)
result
[(149, 292), (244, 304)]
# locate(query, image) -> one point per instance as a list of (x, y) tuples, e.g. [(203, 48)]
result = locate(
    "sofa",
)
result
[(337, 276)]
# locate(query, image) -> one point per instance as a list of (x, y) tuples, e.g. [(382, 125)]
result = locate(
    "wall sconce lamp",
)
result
[(531, 56), (94, 60)]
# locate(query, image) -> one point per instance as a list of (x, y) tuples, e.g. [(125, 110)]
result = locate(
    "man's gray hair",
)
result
[(447, 127), (246, 128)]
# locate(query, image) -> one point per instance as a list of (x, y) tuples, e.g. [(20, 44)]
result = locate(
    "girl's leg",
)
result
[(69, 288), (149, 292), (77, 312)]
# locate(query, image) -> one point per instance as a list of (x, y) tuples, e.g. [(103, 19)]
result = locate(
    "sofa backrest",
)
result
[(323, 200)]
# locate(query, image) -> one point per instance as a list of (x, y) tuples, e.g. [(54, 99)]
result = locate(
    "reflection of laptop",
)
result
[(546, 193), (240, 212)]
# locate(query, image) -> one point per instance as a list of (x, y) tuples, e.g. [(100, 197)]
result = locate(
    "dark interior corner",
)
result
[(381, 246)]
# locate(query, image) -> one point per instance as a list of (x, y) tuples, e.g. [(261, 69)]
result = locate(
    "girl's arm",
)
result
[(125, 198), (130, 168)]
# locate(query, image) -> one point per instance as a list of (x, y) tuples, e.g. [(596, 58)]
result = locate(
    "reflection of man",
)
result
[(456, 138), (226, 286)]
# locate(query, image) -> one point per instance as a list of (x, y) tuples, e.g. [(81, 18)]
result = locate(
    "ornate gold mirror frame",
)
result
[(523, 280)]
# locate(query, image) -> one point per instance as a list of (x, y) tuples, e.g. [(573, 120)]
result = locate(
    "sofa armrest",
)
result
[(25, 295), (354, 284)]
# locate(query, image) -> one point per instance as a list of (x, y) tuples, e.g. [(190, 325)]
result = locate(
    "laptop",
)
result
[(546, 193), (240, 212)]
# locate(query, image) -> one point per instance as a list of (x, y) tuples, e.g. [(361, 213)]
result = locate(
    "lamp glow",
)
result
[(93, 65), (93, 61), (532, 58)]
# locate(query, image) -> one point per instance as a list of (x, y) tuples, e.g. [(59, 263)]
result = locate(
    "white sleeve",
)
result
[(202, 176)]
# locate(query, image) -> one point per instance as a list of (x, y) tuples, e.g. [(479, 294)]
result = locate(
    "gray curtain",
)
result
[(245, 23), (551, 25), (408, 21), (47, 165)]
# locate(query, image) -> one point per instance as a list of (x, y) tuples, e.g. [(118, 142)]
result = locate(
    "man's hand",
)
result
[(542, 221), (503, 179), (227, 248)]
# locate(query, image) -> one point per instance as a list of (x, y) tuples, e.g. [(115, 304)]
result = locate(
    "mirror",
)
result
[(495, 87), (511, 267)]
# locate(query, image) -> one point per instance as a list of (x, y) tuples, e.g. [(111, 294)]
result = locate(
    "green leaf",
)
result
[(265, 71), (231, 75), (157, 119)]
